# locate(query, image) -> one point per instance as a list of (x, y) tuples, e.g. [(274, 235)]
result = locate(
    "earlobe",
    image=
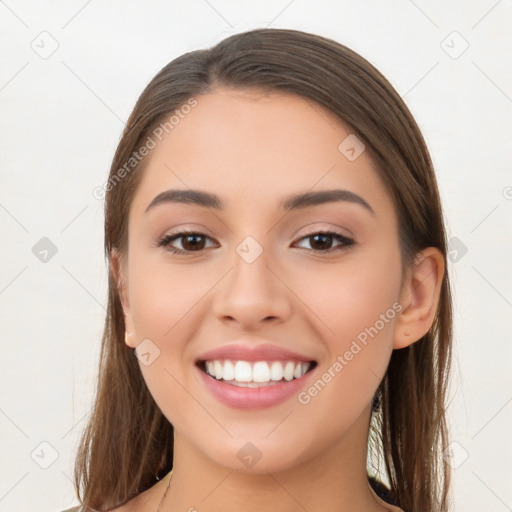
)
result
[(420, 297), (129, 338)]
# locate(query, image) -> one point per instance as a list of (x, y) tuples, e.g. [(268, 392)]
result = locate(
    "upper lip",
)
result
[(248, 352)]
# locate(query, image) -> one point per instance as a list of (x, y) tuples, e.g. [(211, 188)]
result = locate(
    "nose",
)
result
[(253, 295)]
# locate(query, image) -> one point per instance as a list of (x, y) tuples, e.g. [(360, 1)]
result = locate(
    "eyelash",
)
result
[(346, 243)]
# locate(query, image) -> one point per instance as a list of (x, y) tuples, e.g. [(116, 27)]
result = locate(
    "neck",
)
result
[(334, 480)]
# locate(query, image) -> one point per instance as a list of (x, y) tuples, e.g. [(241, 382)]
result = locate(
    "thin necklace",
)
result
[(165, 493)]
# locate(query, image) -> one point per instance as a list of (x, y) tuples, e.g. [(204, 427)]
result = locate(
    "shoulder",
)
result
[(81, 508), (136, 504)]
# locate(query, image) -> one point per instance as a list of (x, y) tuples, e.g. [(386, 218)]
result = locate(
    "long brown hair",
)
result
[(128, 443)]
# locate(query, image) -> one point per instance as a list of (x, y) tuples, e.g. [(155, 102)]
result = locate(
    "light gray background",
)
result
[(62, 116)]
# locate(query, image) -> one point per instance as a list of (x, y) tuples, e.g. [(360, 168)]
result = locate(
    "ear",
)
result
[(119, 275), (419, 297)]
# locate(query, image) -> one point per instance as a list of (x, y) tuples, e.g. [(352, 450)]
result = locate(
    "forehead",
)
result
[(255, 147)]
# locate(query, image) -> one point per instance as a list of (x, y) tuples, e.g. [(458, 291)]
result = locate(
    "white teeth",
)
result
[(243, 372), (219, 370), (276, 371), (251, 374), (288, 371), (261, 372), (229, 371)]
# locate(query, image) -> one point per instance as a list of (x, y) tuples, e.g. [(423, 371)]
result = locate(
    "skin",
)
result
[(252, 149)]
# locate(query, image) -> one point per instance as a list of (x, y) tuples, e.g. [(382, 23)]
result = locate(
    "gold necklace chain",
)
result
[(165, 494)]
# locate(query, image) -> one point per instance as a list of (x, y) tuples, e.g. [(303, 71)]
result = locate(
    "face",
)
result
[(273, 287)]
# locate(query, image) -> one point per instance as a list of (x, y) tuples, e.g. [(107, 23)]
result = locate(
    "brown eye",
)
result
[(193, 242), (322, 241), (189, 241)]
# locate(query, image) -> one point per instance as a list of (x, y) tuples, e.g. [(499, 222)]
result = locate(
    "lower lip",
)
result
[(253, 398)]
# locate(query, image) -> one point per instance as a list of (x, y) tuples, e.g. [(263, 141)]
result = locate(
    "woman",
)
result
[(278, 332)]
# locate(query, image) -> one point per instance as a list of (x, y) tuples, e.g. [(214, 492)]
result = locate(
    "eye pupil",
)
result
[(194, 244), (323, 244)]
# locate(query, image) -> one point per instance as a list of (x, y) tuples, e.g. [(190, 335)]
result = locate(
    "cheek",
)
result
[(358, 303), (165, 303), (162, 295), (355, 297)]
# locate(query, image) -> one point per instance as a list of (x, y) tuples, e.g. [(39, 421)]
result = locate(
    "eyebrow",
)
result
[(293, 202)]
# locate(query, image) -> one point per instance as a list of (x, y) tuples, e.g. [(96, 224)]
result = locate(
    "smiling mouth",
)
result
[(255, 374)]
